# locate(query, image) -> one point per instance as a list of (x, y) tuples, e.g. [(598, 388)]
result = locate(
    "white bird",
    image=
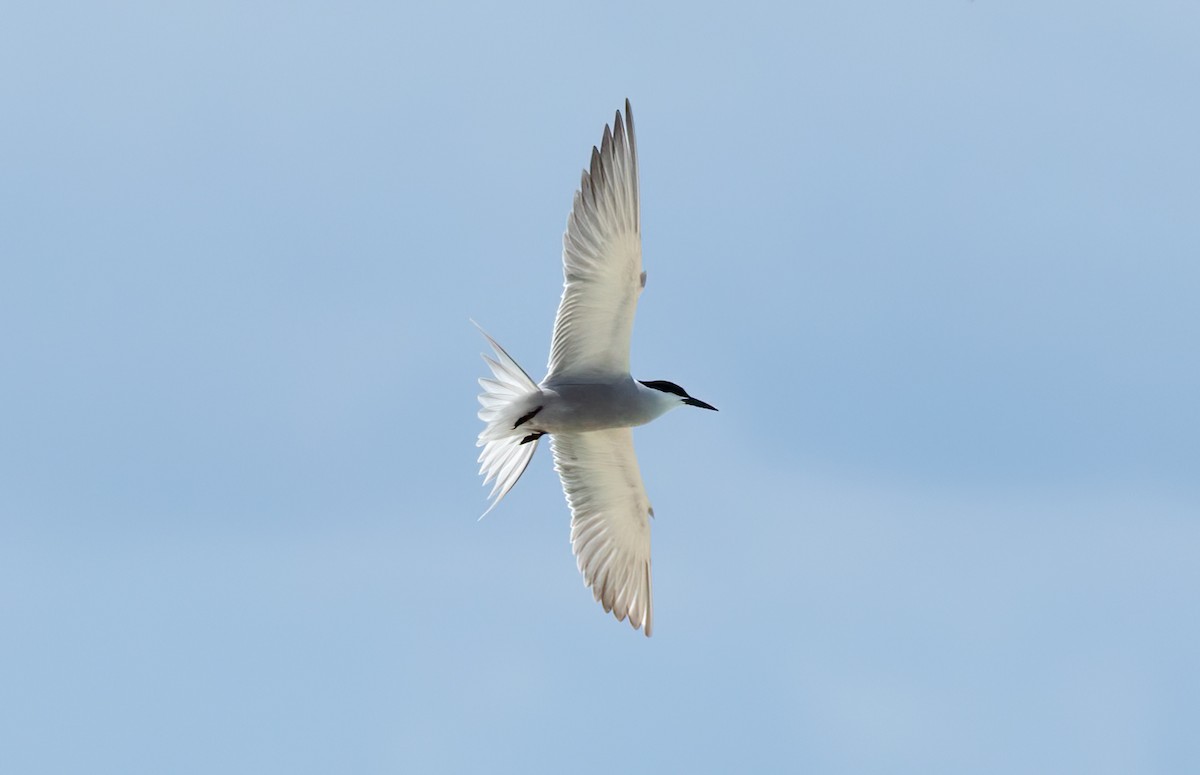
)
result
[(588, 401)]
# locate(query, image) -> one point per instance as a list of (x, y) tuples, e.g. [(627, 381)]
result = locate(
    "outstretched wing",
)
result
[(602, 263), (610, 519)]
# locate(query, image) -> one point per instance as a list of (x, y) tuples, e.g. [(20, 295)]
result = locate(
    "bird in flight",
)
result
[(588, 401)]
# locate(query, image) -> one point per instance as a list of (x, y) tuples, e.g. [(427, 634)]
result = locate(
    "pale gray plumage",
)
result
[(602, 263), (588, 401), (610, 519)]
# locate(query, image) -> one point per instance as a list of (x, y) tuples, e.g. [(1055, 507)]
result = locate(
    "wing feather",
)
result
[(602, 262), (610, 519)]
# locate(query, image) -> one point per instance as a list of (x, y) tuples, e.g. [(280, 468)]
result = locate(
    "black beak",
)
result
[(697, 402)]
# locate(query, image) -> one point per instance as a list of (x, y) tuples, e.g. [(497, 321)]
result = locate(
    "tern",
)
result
[(588, 401)]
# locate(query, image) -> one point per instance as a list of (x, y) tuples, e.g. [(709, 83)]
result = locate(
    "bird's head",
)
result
[(671, 388)]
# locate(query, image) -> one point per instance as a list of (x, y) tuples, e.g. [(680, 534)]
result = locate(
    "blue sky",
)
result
[(935, 262)]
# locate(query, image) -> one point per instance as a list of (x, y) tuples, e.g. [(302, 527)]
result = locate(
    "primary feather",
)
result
[(610, 519), (602, 263)]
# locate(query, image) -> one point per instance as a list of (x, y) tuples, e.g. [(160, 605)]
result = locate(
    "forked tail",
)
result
[(507, 450)]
